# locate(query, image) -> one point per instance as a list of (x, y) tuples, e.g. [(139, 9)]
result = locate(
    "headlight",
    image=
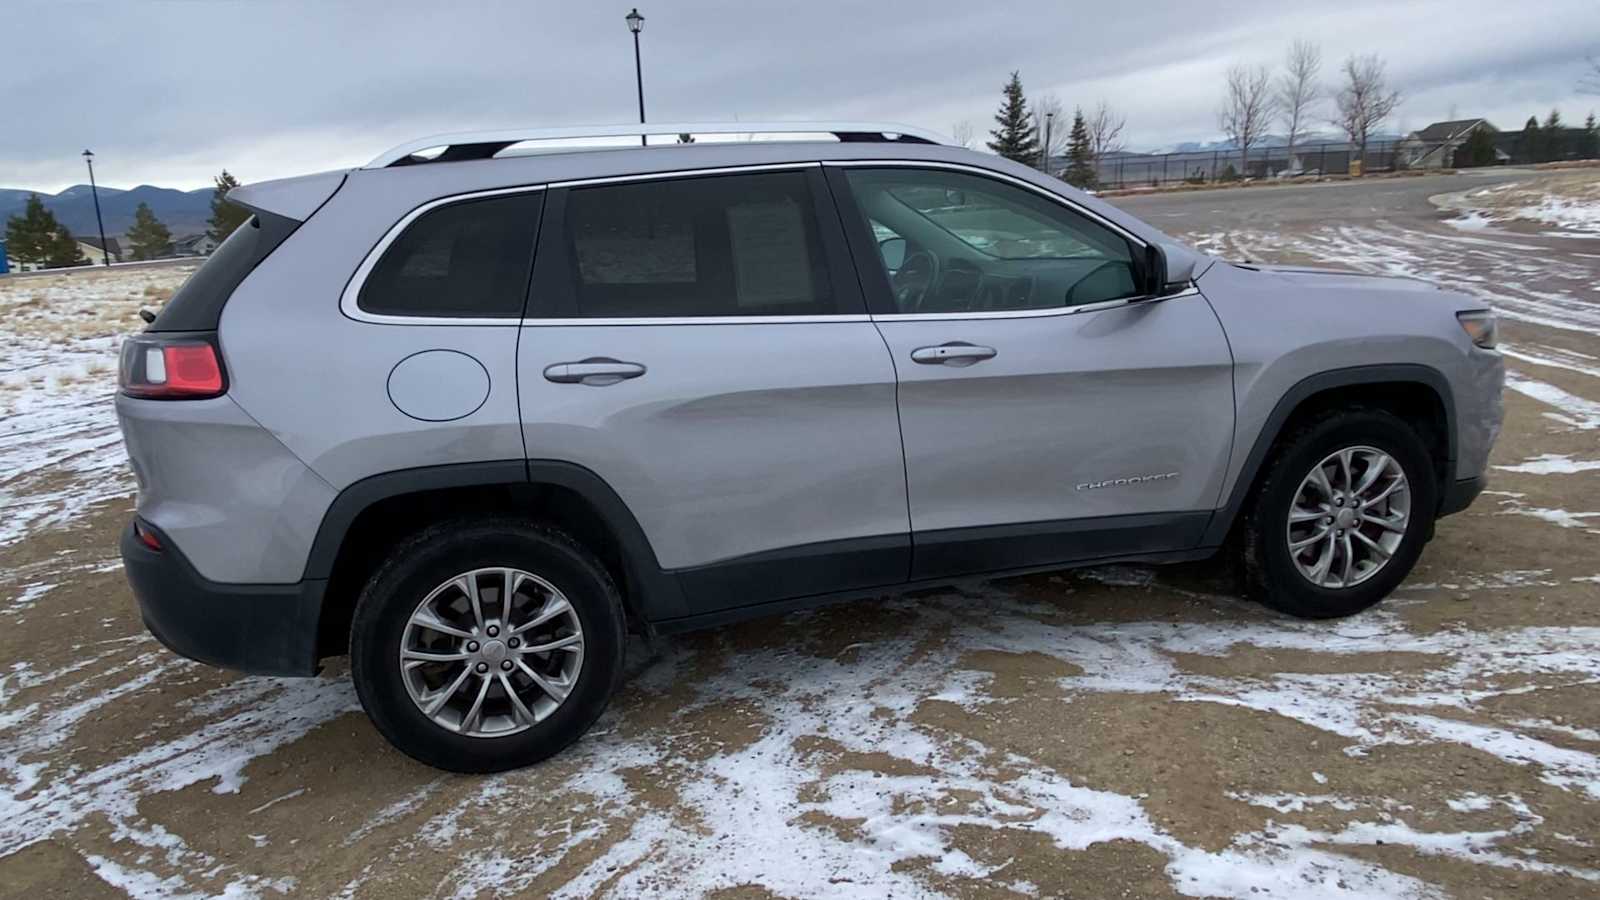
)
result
[(1479, 324)]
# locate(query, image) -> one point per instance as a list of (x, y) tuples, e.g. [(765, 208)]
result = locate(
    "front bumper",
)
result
[(1460, 494), (260, 629)]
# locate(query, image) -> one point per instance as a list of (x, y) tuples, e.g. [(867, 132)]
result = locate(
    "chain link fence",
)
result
[(1132, 170)]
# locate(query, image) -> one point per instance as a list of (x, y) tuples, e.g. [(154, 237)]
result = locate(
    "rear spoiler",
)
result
[(293, 198), (280, 207)]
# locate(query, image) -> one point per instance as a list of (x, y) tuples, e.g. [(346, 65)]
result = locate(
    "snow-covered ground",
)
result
[(1568, 205), (60, 452), (1116, 731)]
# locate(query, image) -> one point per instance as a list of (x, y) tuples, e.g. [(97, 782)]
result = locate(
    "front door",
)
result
[(701, 344), (1051, 410)]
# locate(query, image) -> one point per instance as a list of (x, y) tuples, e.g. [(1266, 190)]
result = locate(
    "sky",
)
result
[(169, 92)]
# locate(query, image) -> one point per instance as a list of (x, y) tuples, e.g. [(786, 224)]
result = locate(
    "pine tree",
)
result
[(1080, 155), (148, 237), (1015, 138), (29, 236), (62, 250), (1476, 150), (1555, 137), (1590, 140), (1532, 141), (225, 216)]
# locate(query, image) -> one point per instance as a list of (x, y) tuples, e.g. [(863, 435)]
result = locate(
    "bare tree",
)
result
[(1048, 117), (1105, 132), (1365, 99), (961, 132), (1589, 82), (1247, 109), (1298, 91)]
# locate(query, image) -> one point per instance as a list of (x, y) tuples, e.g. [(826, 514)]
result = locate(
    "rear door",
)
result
[(699, 342), (1052, 410)]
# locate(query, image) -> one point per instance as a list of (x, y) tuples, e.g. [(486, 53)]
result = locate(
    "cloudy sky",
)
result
[(170, 91)]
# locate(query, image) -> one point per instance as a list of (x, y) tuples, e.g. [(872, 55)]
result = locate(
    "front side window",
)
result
[(951, 242), (726, 245), (469, 259)]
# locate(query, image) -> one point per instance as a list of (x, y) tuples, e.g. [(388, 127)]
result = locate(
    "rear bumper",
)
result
[(1460, 494), (265, 629)]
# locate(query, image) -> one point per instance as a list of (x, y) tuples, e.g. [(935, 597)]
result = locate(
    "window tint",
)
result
[(952, 242), (728, 245), (467, 259)]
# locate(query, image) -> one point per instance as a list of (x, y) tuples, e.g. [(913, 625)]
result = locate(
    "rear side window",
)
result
[(727, 245), (469, 259), (197, 305)]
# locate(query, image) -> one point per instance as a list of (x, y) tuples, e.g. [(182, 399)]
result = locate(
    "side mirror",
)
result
[(893, 251), (1155, 271), (1164, 274)]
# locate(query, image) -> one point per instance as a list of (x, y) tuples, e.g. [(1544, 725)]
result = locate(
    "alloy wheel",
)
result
[(1348, 517), (491, 652)]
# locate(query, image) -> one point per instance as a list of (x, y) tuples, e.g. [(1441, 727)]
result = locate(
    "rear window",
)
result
[(197, 305), (469, 259), (728, 245)]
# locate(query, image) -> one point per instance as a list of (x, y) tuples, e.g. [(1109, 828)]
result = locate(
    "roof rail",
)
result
[(485, 144)]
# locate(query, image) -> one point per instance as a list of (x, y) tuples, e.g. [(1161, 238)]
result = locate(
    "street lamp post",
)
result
[(105, 251), (636, 25), (1049, 119)]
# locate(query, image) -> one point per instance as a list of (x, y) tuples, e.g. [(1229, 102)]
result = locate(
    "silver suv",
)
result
[(472, 412)]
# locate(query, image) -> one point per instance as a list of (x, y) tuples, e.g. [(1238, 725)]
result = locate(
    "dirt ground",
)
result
[(1115, 732)]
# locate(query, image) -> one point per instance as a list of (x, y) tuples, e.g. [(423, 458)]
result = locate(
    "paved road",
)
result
[(1543, 285), (1307, 205)]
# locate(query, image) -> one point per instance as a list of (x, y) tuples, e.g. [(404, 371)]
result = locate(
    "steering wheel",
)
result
[(914, 280)]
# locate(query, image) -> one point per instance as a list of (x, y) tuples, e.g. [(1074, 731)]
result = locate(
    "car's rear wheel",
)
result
[(485, 646), (1341, 515)]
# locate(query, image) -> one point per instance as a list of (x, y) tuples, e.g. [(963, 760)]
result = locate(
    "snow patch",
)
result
[(1552, 464)]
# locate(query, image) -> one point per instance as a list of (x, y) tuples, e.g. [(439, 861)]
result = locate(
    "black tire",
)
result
[(428, 559), (1269, 573)]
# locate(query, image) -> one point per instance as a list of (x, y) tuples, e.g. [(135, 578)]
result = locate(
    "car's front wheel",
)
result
[(1340, 517), (484, 646)]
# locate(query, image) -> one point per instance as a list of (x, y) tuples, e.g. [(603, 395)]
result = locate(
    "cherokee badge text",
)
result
[(1120, 482)]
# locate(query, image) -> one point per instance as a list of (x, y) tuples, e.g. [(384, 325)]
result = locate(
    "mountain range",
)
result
[(183, 212)]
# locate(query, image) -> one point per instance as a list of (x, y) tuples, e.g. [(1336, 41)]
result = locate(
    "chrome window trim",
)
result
[(698, 320), (352, 290), (348, 299), (988, 173), (1189, 291)]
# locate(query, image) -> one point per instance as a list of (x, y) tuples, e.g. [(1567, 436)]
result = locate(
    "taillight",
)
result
[(146, 536), (179, 366)]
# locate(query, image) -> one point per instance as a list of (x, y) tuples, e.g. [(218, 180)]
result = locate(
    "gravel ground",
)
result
[(1123, 731)]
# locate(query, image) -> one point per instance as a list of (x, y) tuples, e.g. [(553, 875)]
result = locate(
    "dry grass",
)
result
[(1579, 187), (85, 303)]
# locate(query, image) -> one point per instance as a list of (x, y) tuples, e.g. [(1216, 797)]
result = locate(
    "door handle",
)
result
[(596, 371), (954, 353)]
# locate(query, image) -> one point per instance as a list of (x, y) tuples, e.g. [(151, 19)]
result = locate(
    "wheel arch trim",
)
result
[(656, 593), (1414, 373)]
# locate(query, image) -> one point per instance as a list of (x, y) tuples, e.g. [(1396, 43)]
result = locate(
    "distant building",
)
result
[(90, 246), (194, 245), (1435, 147)]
